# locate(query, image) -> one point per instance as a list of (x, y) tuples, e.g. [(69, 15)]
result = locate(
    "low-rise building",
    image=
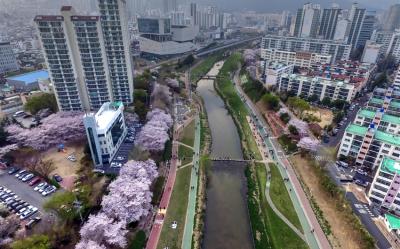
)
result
[(298, 59), (371, 52), (28, 81), (272, 71), (307, 86), (105, 130)]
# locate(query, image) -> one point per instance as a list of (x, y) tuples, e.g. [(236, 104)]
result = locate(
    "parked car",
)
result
[(120, 158), (361, 183), (57, 178), (28, 177), (39, 186), (72, 158), (49, 190), (19, 173), (34, 181), (12, 170), (28, 213), (41, 189), (116, 165), (23, 175), (32, 222)]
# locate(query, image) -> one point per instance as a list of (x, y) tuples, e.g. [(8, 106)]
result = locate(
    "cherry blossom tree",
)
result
[(154, 134), (8, 226), (302, 127), (8, 148), (173, 83), (61, 127), (89, 244), (102, 230), (309, 144), (161, 95), (249, 56)]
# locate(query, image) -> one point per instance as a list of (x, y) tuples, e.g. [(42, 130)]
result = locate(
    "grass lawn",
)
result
[(287, 144), (188, 134), (280, 234), (172, 238), (254, 89), (281, 198), (185, 154)]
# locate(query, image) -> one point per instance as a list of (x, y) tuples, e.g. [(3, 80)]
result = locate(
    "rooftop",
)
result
[(391, 166), (367, 113), (387, 138), (376, 101), (386, 117), (394, 221), (29, 78), (106, 115), (395, 104), (356, 129)]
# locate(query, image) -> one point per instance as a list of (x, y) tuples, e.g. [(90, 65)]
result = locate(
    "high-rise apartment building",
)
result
[(392, 20), (193, 13), (169, 6), (307, 20), (116, 40), (8, 62), (361, 26), (329, 22), (87, 57)]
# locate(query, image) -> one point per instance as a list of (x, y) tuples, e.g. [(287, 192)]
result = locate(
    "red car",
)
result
[(34, 181)]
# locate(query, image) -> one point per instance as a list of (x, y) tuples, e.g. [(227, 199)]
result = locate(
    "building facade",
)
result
[(87, 59), (8, 62), (307, 86), (392, 20), (272, 71), (329, 22), (298, 59), (105, 130), (337, 49), (307, 20), (375, 132), (361, 26)]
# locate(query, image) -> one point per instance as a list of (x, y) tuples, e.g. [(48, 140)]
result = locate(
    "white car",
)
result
[(116, 165), (72, 158), (40, 185), (49, 190), (43, 187)]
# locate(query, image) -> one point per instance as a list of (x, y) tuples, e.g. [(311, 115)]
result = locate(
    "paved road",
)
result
[(191, 207), (366, 219), (308, 220)]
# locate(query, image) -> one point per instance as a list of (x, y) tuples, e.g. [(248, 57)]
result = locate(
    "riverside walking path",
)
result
[(155, 232), (191, 207), (314, 235)]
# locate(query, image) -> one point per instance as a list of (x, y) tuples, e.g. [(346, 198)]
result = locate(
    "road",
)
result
[(191, 208), (313, 232)]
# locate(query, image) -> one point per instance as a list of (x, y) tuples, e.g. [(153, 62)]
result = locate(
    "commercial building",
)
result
[(307, 86), (307, 21), (28, 81), (272, 71), (371, 52), (329, 22), (87, 56), (375, 132), (158, 38), (337, 49), (298, 59), (105, 130), (8, 62)]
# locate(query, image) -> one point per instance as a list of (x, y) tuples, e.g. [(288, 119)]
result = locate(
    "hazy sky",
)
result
[(278, 5)]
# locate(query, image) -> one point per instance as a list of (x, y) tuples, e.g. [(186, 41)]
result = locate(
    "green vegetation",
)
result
[(167, 151), (139, 242), (253, 88), (285, 117), (203, 67), (282, 236), (188, 134), (293, 130), (141, 95), (298, 105), (143, 81), (169, 237), (32, 242), (281, 198), (236, 107), (188, 61), (185, 154), (288, 145), (3, 134), (157, 189), (42, 101), (271, 101), (63, 204)]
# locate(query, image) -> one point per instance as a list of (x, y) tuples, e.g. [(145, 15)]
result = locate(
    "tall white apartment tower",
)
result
[(75, 55), (307, 21), (115, 33)]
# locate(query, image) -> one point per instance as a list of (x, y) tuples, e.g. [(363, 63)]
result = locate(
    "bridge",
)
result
[(230, 160)]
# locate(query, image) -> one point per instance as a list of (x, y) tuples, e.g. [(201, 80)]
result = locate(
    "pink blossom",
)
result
[(8, 148), (302, 127), (173, 83), (309, 144)]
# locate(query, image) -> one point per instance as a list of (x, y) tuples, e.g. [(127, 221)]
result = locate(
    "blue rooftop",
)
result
[(29, 78)]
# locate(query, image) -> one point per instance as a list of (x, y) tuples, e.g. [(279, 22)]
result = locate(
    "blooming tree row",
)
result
[(61, 127), (154, 134), (309, 144), (128, 200)]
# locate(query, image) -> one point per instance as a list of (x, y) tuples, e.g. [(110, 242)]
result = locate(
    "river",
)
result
[(227, 224)]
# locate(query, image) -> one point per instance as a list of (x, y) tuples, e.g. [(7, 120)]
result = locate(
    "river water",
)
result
[(227, 225)]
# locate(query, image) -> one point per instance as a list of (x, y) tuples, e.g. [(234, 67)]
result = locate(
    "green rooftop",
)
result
[(391, 166), (367, 113), (376, 101), (394, 221), (395, 104), (387, 138), (356, 129), (391, 119)]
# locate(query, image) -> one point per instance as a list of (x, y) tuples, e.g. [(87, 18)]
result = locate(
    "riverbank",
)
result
[(267, 232)]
